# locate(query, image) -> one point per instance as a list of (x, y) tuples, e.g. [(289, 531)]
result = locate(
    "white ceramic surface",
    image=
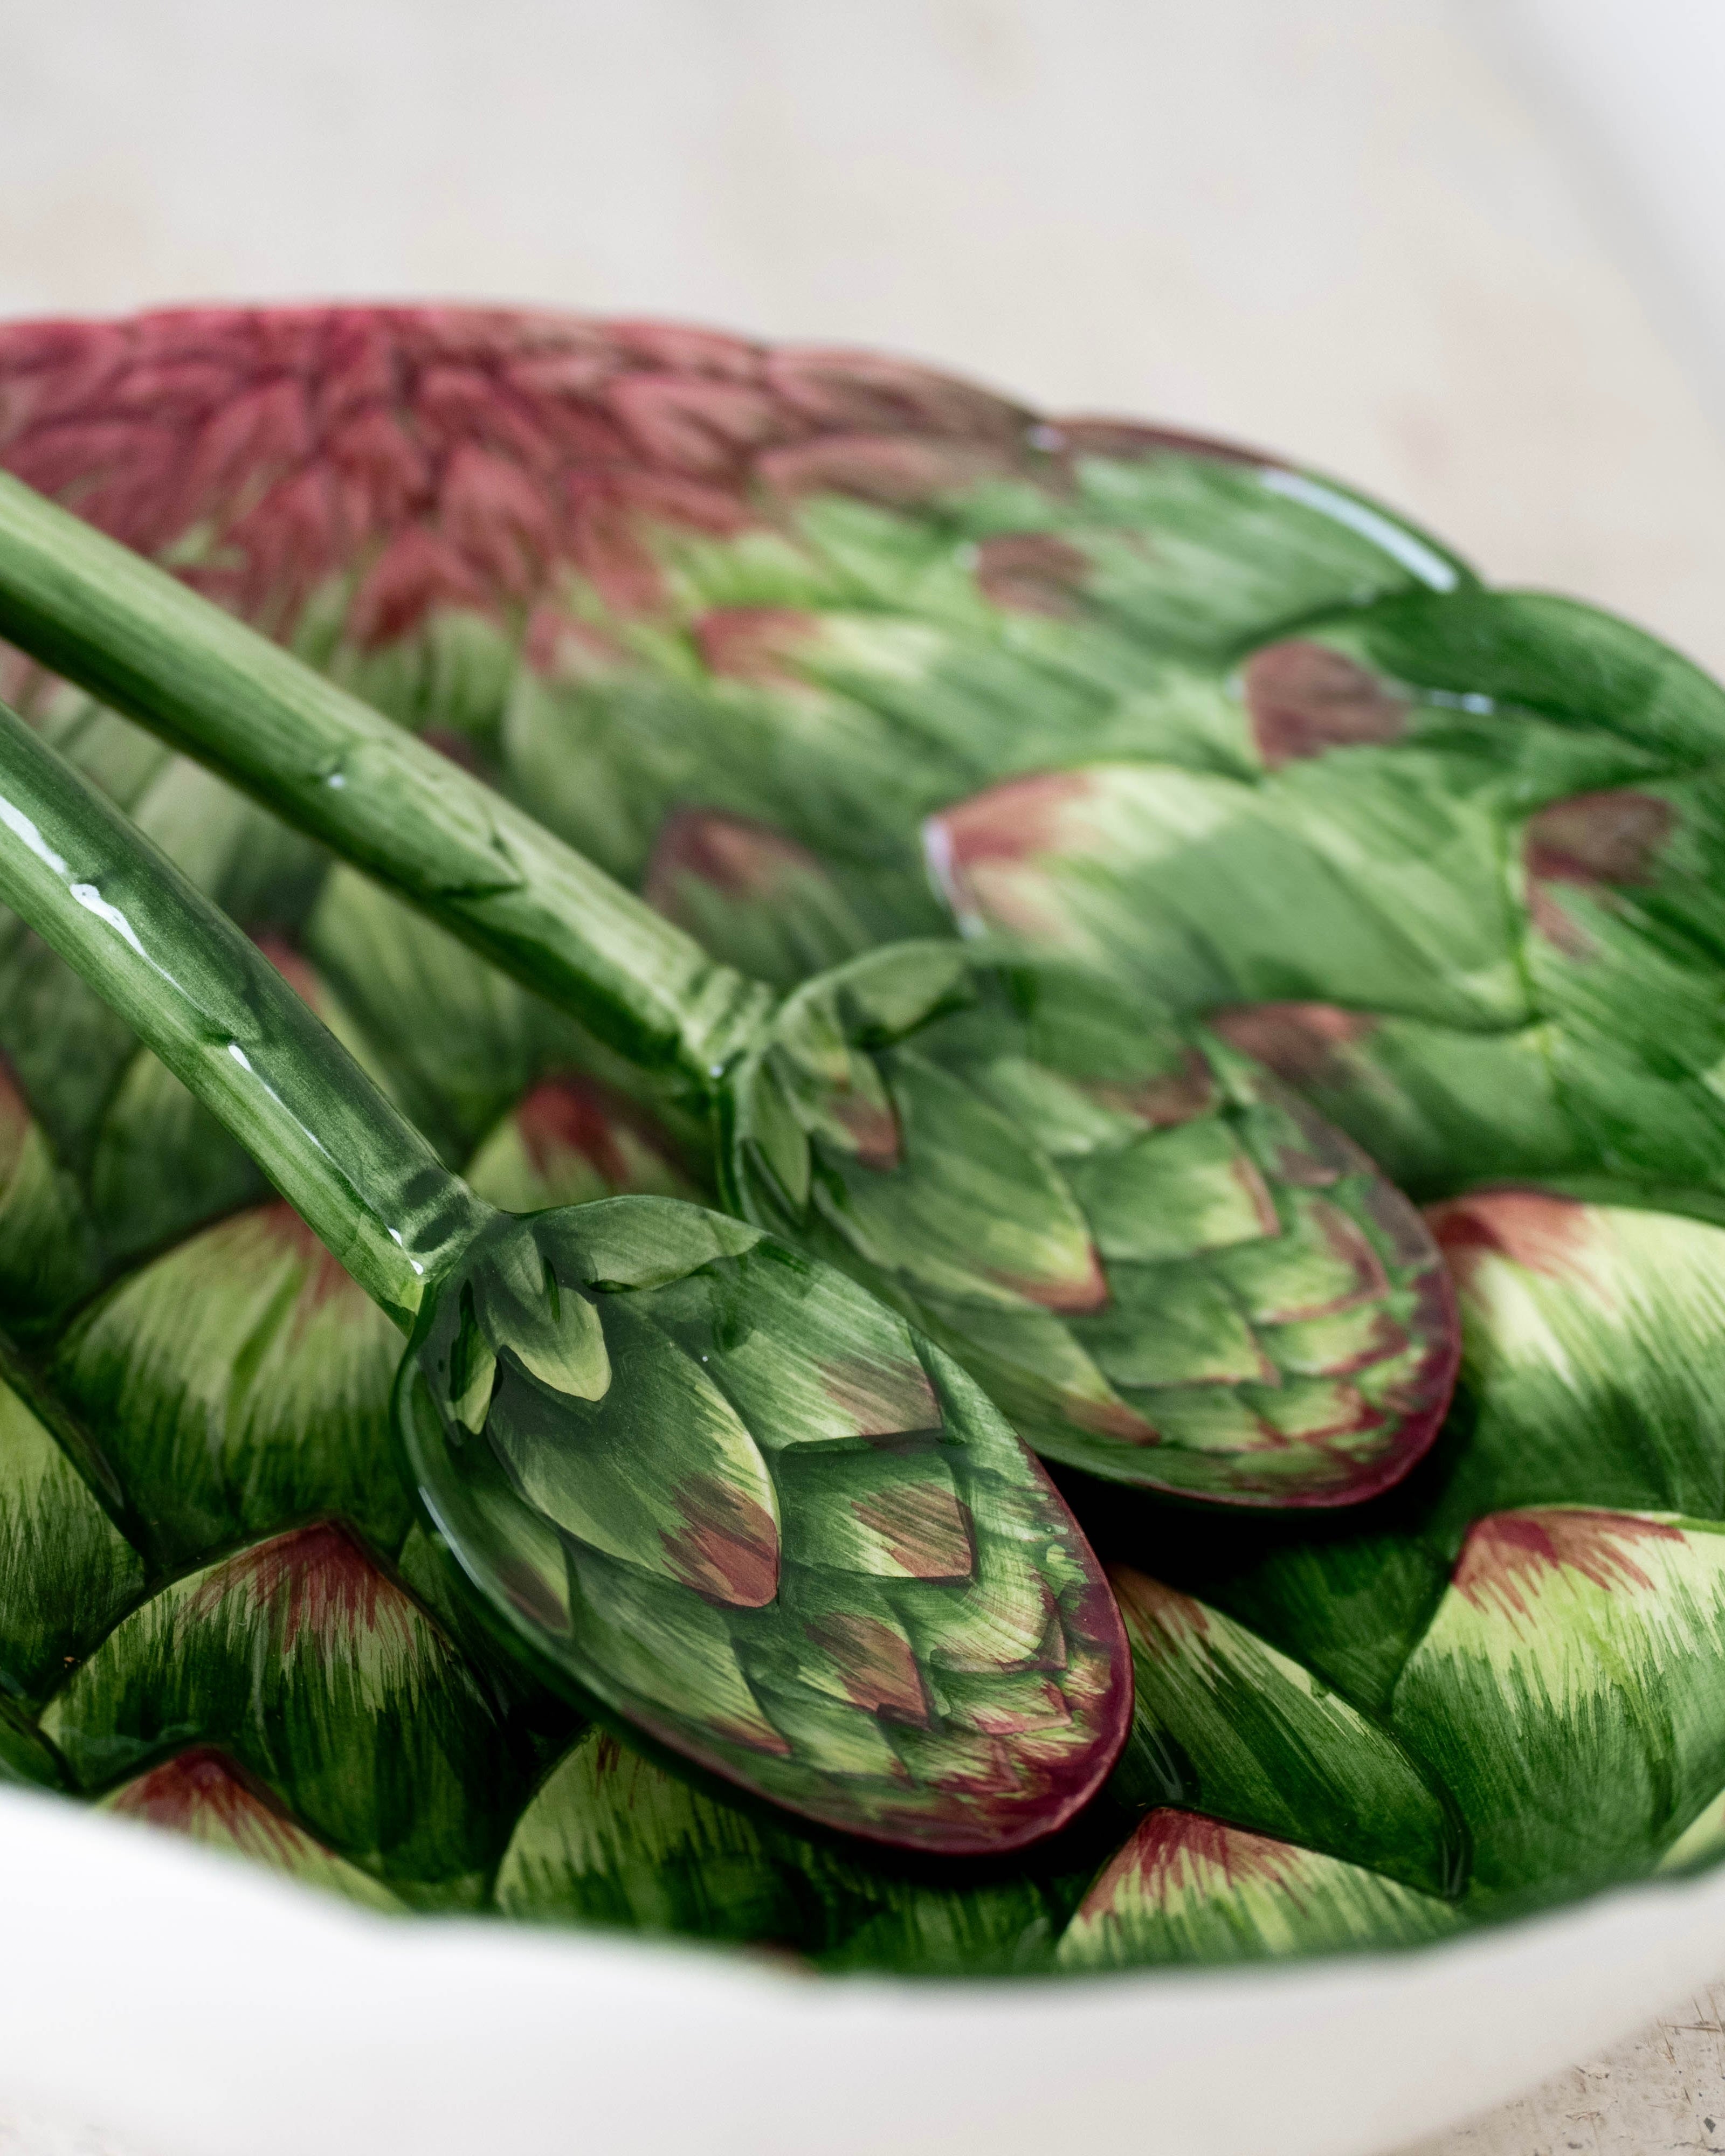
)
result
[(192, 2007)]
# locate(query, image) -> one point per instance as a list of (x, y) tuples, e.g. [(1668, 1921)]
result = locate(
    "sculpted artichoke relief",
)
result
[(773, 636)]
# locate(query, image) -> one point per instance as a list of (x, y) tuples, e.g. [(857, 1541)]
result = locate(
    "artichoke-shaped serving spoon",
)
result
[(693, 1474), (1164, 1268)]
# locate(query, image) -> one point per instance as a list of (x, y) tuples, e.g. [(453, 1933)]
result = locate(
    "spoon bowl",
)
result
[(716, 1486), (1163, 1265)]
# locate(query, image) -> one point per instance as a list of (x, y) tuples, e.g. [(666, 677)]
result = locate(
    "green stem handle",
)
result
[(133, 635), (226, 1024)]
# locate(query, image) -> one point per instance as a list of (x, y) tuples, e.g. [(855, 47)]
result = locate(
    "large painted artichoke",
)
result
[(774, 634)]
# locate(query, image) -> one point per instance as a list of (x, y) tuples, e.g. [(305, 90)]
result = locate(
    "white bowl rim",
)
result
[(192, 2006)]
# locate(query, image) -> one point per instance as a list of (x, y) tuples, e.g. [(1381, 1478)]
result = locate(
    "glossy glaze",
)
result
[(693, 1475)]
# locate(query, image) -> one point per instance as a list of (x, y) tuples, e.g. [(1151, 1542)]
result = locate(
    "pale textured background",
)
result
[(1469, 253), (1347, 228)]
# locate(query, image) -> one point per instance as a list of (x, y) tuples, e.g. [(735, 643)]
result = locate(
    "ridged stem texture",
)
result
[(122, 628), (218, 1014)]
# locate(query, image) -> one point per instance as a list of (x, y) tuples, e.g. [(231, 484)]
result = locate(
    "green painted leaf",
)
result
[(1578, 1651), (1175, 1194), (1536, 653), (807, 1360), (978, 1207), (241, 1382), (162, 1165), (785, 1613), (1206, 890), (205, 1797), (569, 1141), (26, 1759), (1701, 1844), (1004, 1928), (1592, 1337), (66, 1571), (1163, 1265), (609, 1838), (756, 900), (896, 1514), (304, 1661), (453, 1042), (1249, 1734), (659, 1471), (1187, 1889), (46, 1256)]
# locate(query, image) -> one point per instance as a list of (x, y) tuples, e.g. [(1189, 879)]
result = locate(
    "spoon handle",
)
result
[(147, 645), (218, 1014)]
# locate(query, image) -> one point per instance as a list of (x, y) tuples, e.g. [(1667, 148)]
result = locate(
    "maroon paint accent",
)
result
[(325, 1280), (525, 1586), (1612, 838), (293, 969), (1167, 1842), (204, 1783), (755, 644), (1011, 822), (999, 1797), (758, 1737), (869, 393), (1047, 1710), (1597, 842), (1158, 1619), (1160, 1103), (579, 1114), (897, 471), (418, 574), (871, 1126), (881, 1399), (1555, 1237), (458, 456), (1399, 1221), (1323, 1155), (926, 1529), (1349, 1244), (1032, 573), (1550, 919), (877, 1665), (1003, 827), (727, 1548), (460, 749), (1070, 1298), (1299, 1042), (559, 648), (1422, 1400), (1506, 1556), (1386, 1338), (22, 680), (317, 1580), (1304, 699), (607, 1759), (1051, 1649), (1110, 1419), (704, 427), (1247, 1174), (1350, 1416)]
